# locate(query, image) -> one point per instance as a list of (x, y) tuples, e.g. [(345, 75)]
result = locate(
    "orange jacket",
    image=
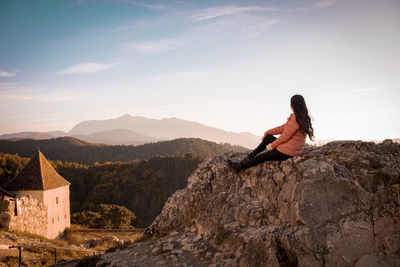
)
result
[(292, 139)]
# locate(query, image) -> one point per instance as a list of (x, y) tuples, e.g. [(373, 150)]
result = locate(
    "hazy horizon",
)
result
[(315, 140), (232, 65)]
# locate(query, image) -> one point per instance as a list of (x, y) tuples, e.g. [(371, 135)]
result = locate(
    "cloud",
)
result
[(317, 5), (145, 24), (7, 74), (15, 92), (179, 75), (86, 67), (15, 87), (214, 12), (245, 26), (132, 25), (136, 3), (156, 46), (141, 4), (45, 97), (257, 29), (324, 3)]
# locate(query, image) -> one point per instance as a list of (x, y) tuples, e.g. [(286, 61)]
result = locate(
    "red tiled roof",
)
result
[(38, 174)]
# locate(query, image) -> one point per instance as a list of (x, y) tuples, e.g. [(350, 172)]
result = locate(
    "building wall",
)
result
[(58, 206), (57, 202), (29, 215)]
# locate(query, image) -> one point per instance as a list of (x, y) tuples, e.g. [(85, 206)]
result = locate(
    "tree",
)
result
[(106, 216), (86, 218), (115, 216)]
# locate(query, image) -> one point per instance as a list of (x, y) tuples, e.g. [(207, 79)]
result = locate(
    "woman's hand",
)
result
[(269, 147), (265, 134)]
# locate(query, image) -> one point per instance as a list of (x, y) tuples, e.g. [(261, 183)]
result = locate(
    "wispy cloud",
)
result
[(7, 74), (45, 97), (243, 26), (146, 5), (179, 75), (156, 46), (135, 24), (144, 24), (324, 3), (317, 5), (257, 29), (10, 92), (86, 67), (15, 87), (214, 12), (135, 3)]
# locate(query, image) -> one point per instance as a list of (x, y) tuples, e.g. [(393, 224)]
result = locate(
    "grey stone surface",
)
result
[(335, 205)]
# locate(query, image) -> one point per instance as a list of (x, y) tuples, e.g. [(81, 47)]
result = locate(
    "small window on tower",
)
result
[(65, 216), (56, 200), (52, 219)]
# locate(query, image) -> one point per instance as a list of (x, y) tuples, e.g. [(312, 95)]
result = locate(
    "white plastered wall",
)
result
[(57, 201)]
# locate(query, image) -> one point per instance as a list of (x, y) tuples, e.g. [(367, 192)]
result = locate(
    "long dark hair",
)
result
[(300, 110)]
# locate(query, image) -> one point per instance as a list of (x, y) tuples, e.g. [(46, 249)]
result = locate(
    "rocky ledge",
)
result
[(335, 205)]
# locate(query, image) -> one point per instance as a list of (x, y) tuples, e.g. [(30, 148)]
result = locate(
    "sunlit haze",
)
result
[(229, 64)]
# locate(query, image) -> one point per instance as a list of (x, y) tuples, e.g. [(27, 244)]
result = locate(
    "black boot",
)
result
[(237, 166), (250, 156)]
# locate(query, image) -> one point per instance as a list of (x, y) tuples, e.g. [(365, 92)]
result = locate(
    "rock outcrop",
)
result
[(335, 205)]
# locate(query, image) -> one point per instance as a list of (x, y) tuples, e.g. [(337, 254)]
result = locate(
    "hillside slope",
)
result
[(336, 205), (118, 137), (27, 135), (75, 150)]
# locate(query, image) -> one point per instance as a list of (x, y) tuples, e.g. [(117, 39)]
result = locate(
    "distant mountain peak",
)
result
[(172, 118), (165, 129), (126, 116)]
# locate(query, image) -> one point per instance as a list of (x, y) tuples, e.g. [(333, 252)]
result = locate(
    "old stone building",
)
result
[(42, 182)]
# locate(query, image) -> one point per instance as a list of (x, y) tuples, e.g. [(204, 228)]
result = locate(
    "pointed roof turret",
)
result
[(38, 174)]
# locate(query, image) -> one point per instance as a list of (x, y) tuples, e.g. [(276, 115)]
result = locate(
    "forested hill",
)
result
[(141, 186), (75, 150)]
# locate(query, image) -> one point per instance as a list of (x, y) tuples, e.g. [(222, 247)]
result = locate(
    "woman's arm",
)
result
[(288, 131), (276, 130)]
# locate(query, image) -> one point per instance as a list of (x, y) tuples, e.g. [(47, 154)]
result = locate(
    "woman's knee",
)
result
[(269, 138)]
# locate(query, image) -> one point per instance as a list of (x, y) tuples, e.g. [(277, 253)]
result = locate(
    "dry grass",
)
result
[(56, 242), (37, 250), (39, 256)]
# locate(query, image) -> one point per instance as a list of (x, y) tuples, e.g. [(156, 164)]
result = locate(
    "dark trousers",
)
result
[(265, 156)]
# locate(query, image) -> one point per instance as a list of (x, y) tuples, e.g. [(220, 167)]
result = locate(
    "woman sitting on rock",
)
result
[(290, 142)]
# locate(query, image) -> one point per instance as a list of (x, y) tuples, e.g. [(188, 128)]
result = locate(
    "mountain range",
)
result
[(134, 130)]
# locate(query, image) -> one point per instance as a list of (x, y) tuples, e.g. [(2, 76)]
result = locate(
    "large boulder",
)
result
[(335, 205)]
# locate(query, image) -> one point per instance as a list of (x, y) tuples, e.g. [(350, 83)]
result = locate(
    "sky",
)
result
[(228, 64)]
